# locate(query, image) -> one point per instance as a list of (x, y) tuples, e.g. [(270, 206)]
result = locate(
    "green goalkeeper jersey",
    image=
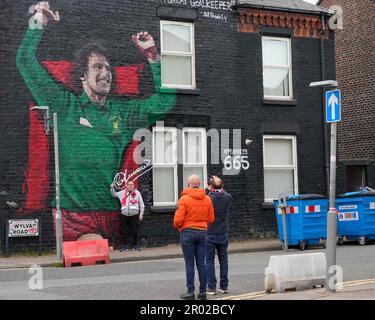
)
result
[(92, 139)]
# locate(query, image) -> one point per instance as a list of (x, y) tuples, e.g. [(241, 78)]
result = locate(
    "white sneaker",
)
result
[(211, 292), (223, 291)]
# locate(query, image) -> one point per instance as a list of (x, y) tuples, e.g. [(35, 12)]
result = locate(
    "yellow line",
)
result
[(262, 293), (242, 295), (353, 281), (252, 297), (359, 283)]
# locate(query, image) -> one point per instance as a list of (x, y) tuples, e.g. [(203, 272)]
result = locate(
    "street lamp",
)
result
[(326, 83), (331, 215)]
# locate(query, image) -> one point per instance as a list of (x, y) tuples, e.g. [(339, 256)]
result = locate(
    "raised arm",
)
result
[(211, 211), (159, 103), (113, 193), (44, 89)]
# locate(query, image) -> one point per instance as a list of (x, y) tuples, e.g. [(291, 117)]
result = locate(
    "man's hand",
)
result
[(43, 14), (141, 217), (146, 45)]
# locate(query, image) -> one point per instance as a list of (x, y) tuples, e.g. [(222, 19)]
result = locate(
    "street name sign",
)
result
[(23, 228)]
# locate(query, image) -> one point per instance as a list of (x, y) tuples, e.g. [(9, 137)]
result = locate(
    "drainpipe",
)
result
[(323, 70)]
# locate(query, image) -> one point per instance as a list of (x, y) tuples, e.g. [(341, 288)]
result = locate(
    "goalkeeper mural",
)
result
[(94, 129)]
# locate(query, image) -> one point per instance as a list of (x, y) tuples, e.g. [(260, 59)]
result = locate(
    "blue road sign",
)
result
[(333, 106)]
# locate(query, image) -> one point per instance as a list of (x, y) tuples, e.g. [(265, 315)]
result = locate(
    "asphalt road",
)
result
[(162, 279)]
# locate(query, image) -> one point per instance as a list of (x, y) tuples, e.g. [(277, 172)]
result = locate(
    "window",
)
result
[(194, 154), (356, 177), (177, 55), (280, 166), (166, 169), (277, 68), (165, 165)]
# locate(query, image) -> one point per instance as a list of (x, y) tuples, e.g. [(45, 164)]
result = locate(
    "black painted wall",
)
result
[(229, 77)]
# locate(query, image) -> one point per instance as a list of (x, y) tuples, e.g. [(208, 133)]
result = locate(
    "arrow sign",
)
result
[(333, 103)]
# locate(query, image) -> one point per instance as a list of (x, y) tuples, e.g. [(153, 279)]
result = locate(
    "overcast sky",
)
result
[(311, 1)]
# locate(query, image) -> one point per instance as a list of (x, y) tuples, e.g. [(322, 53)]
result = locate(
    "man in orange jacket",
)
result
[(195, 211)]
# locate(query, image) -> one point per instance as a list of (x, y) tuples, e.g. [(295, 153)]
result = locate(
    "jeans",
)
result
[(193, 244), (129, 228), (219, 243)]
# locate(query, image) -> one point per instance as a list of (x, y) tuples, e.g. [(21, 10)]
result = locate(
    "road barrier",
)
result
[(295, 272), (85, 253)]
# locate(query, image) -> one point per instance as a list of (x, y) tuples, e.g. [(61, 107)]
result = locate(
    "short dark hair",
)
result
[(218, 184), (82, 60)]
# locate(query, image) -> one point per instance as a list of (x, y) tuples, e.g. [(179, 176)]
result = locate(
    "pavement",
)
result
[(166, 252)]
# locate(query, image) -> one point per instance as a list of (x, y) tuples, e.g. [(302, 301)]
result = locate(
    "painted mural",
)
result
[(96, 124)]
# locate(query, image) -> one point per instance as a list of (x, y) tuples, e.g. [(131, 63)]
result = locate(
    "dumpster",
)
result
[(305, 220), (356, 216)]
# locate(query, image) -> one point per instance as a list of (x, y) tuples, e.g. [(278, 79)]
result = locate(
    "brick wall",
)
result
[(355, 72), (229, 77)]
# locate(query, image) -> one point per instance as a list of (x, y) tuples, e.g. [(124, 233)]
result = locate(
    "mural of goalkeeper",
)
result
[(94, 129)]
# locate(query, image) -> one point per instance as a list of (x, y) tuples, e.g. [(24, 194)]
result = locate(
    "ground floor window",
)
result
[(355, 178), (280, 166), (170, 145)]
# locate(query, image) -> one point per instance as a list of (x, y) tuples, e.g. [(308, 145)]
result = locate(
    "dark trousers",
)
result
[(217, 243), (193, 244), (129, 230)]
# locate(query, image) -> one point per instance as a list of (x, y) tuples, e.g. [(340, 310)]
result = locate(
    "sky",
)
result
[(311, 1)]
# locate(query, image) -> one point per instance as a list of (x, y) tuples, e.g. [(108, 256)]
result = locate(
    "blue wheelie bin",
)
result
[(306, 220), (356, 216)]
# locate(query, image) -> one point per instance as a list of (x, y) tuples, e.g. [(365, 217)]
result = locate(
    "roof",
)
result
[(283, 5)]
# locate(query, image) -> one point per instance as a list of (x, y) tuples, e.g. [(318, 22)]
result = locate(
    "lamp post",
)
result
[(59, 236), (331, 215), (58, 231)]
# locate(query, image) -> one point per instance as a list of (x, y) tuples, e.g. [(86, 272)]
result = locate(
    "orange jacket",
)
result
[(195, 210)]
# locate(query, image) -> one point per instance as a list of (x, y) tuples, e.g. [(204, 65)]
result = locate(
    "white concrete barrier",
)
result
[(295, 271)]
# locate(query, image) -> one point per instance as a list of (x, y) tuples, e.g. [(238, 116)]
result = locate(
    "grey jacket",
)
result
[(131, 202)]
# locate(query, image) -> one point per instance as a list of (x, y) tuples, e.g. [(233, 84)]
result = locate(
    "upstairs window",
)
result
[(277, 68), (177, 55)]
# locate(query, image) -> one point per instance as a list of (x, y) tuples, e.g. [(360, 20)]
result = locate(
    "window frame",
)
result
[(364, 175), (164, 165), (203, 164), (180, 54), (289, 67), (294, 167)]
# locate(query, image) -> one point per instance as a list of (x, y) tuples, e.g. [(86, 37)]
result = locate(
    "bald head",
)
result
[(194, 181)]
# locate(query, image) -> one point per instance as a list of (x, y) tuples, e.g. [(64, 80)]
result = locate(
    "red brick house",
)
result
[(355, 68)]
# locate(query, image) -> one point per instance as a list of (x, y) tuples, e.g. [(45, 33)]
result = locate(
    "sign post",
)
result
[(282, 205), (333, 115)]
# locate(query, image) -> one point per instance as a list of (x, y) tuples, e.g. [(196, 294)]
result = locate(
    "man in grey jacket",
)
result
[(132, 210)]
